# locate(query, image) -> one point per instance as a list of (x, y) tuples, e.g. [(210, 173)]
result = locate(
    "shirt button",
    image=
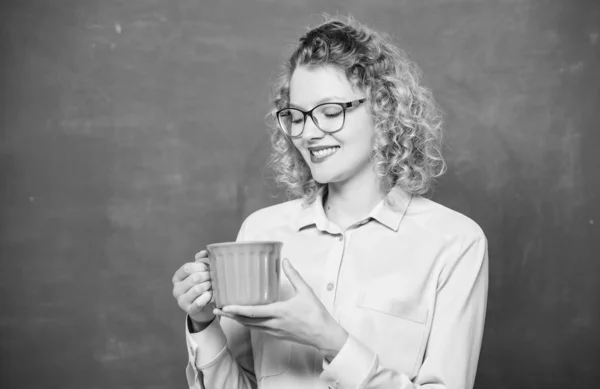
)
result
[(341, 237), (330, 286)]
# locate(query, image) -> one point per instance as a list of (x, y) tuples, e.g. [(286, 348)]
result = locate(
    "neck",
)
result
[(351, 201)]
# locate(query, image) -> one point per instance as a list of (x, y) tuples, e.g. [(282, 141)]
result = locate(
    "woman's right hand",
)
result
[(193, 292)]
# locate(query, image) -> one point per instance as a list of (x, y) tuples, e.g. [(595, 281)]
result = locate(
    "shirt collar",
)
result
[(313, 214), (389, 212)]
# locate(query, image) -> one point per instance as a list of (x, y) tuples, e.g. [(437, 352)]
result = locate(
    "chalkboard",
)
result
[(132, 134)]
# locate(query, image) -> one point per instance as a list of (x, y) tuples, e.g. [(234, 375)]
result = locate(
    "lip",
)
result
[(317, 148), (314, 158)]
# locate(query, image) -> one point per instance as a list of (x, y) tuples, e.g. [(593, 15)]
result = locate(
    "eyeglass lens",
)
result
[(328, 117)]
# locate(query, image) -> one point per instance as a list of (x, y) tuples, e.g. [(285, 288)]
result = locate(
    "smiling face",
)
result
[(332, 157)]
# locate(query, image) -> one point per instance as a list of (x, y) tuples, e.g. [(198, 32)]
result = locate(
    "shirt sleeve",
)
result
[(220, 356), (452, 354)]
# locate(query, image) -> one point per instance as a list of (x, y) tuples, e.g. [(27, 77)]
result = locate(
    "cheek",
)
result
[(370, 134), (297, 144), (299, 148), (362, 135)]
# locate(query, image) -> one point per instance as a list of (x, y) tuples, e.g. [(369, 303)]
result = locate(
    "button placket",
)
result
[(330, 275), (335, 276)]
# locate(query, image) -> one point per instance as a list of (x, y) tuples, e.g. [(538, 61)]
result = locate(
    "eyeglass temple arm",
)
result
[(354, 103)]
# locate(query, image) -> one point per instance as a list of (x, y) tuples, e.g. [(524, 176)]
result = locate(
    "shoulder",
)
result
[(462, 238), (444, 221), (274, 215)]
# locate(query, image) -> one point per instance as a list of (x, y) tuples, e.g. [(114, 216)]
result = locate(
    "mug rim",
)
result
[(248, 242)]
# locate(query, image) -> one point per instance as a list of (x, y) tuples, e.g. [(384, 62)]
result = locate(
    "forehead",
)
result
[(310, 85)]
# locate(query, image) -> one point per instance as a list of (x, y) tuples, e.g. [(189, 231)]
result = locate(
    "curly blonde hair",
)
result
[(407, 122)]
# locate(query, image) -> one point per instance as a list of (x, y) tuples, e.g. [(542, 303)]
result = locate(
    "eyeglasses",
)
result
[(328, 117)]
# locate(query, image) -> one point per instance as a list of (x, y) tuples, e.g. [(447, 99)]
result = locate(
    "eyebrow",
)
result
[(323, 100)]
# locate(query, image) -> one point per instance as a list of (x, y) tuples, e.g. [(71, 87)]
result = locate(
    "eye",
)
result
[(333, 114), (292, 116), (331, 111)]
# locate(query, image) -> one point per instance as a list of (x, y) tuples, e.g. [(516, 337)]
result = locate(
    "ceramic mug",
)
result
[(244, 273)]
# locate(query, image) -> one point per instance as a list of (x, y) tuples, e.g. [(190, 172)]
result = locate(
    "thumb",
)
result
[(292, 274)]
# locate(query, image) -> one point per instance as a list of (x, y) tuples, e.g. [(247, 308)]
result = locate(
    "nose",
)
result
[(311, 131)]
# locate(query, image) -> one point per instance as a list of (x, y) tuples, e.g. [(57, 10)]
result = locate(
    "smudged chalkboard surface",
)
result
[(132, 134)]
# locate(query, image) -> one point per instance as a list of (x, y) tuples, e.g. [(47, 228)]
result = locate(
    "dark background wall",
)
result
[(132, 134)]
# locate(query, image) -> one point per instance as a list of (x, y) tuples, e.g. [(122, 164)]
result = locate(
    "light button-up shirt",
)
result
[(409, 284)]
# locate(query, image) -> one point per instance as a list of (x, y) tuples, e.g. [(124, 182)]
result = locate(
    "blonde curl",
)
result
[(407, 122)]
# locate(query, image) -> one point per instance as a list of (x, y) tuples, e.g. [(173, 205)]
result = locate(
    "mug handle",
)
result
[(205, 261)]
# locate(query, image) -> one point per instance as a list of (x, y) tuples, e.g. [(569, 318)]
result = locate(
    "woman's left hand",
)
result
[(302, 319)]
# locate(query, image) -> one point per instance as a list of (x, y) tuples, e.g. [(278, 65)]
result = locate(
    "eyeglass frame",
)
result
[(345, 106)]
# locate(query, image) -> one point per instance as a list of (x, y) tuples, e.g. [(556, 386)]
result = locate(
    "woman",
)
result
[(387, 288)]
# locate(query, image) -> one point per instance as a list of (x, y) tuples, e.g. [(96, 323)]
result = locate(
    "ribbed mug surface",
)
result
[(245, 273)]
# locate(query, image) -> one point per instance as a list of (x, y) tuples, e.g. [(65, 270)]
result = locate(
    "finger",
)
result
[(201, 254), (258, 311), (259, 322), (219, 312), (188, 268), (200, 302), (192, 280), (292, 274), (185, 300)]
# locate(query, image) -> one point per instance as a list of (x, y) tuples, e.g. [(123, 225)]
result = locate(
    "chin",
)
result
[(322, 182), (320, 177), (324, 179), (325, 175)]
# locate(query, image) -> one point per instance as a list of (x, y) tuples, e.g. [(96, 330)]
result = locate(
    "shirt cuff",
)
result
[(212, 341), (351, 367)]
